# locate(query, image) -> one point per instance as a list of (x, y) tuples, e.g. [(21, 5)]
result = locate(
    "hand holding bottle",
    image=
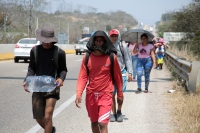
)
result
[(59, 82)]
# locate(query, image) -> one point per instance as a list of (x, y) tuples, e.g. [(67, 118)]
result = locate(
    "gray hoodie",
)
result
[(127, 57)]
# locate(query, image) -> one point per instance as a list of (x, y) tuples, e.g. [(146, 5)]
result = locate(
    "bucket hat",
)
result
[(46, 35)]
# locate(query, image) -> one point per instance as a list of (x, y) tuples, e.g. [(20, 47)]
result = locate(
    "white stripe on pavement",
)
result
[(37, 127), (79, 60)]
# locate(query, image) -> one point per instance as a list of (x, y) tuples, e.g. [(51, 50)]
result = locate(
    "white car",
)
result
[(81, 46), (23, 47)]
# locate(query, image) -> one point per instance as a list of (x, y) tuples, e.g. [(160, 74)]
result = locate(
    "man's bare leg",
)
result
[(41, 122), (103, 127), (119, 106), (95, 127), (50, 104), (114, 104)]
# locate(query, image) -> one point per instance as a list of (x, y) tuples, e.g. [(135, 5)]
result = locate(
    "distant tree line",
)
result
[(22, 16), (187, 19)]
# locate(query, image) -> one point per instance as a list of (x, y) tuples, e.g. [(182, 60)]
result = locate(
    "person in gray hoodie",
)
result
[(125, 64)]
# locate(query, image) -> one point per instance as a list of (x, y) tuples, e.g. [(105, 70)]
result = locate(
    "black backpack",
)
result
[(111, 60), (55, 56)]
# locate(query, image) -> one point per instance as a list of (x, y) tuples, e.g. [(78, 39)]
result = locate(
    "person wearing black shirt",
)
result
[(43, 103)]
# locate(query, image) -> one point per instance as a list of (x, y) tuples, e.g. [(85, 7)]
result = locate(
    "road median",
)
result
[(10, 56), (6, 56)]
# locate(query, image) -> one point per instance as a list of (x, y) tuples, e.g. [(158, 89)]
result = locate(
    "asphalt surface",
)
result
[(143, 113), (15, 103)]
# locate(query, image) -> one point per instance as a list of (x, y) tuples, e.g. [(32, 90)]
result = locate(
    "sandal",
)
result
[(146, 91)]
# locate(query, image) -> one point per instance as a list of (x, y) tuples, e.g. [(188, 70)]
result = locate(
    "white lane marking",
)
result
[(79, 60), (25, 70), (37, 127)]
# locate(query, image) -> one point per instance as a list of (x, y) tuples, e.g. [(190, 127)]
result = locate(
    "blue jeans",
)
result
[(134, 64), (124, 78), (144, 64)]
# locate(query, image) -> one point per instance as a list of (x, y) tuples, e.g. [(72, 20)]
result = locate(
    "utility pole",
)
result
[(37, 23), (68, 33), (30, 20), (4, 26)]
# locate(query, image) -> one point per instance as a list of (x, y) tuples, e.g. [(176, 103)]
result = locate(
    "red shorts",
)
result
[(99, 107)]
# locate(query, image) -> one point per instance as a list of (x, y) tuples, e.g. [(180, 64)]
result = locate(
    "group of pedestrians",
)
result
[(103, 73), (160, 48), (102, 82)]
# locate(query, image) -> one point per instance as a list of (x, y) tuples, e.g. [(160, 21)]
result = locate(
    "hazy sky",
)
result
[(146, 11)]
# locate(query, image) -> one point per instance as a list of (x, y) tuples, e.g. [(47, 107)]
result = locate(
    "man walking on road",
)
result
[(98, 73), (43, 103), (125, 62)]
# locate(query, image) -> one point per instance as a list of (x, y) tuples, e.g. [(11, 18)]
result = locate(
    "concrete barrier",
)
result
[(6, 50)]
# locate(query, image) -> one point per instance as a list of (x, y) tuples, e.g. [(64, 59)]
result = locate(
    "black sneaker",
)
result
[(113, 117), (138, 90), (119, 117), (53, 129)]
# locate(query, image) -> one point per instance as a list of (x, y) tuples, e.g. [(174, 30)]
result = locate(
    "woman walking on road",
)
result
[(131, 46), (146, 60)]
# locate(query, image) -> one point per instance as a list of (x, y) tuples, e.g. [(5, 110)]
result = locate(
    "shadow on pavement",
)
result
[(138, 93), (165, 79), (24, 78), (130, 90)]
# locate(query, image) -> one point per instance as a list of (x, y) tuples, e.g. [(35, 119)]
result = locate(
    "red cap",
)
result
[(113, 32)]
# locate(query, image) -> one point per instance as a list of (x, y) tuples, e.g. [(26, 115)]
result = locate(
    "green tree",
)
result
[(108, 28)]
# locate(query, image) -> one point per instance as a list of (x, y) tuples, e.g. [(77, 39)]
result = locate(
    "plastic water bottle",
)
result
[(40, 83)]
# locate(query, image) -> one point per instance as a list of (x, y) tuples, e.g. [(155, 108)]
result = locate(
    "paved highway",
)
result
[(15, 103), (143, 113)]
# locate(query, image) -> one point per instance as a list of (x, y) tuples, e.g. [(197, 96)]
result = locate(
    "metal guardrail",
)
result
[(189, 71)]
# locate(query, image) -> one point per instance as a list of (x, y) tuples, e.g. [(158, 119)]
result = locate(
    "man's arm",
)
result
[(167, 46), (128, 62), (62, 69), (81, 83), (62, 65), (118, 78)]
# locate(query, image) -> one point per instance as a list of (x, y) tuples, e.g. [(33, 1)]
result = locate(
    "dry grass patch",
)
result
[(183, 52), (186, 110)]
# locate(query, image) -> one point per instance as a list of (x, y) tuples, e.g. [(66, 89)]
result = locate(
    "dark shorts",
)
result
[(39, 102)]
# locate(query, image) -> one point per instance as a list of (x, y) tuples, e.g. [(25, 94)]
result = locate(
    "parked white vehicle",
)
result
[(23, 47), (81, 46)]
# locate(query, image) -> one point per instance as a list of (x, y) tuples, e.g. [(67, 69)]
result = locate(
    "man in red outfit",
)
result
[(98, 77)]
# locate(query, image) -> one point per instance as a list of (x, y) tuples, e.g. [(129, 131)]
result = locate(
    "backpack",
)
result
[(111, 60), (55, 56), (122, 51)]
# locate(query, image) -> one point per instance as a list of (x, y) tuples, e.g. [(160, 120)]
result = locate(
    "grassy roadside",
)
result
[(183, 52), (185, 107), (185, 110), (10, 56)]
